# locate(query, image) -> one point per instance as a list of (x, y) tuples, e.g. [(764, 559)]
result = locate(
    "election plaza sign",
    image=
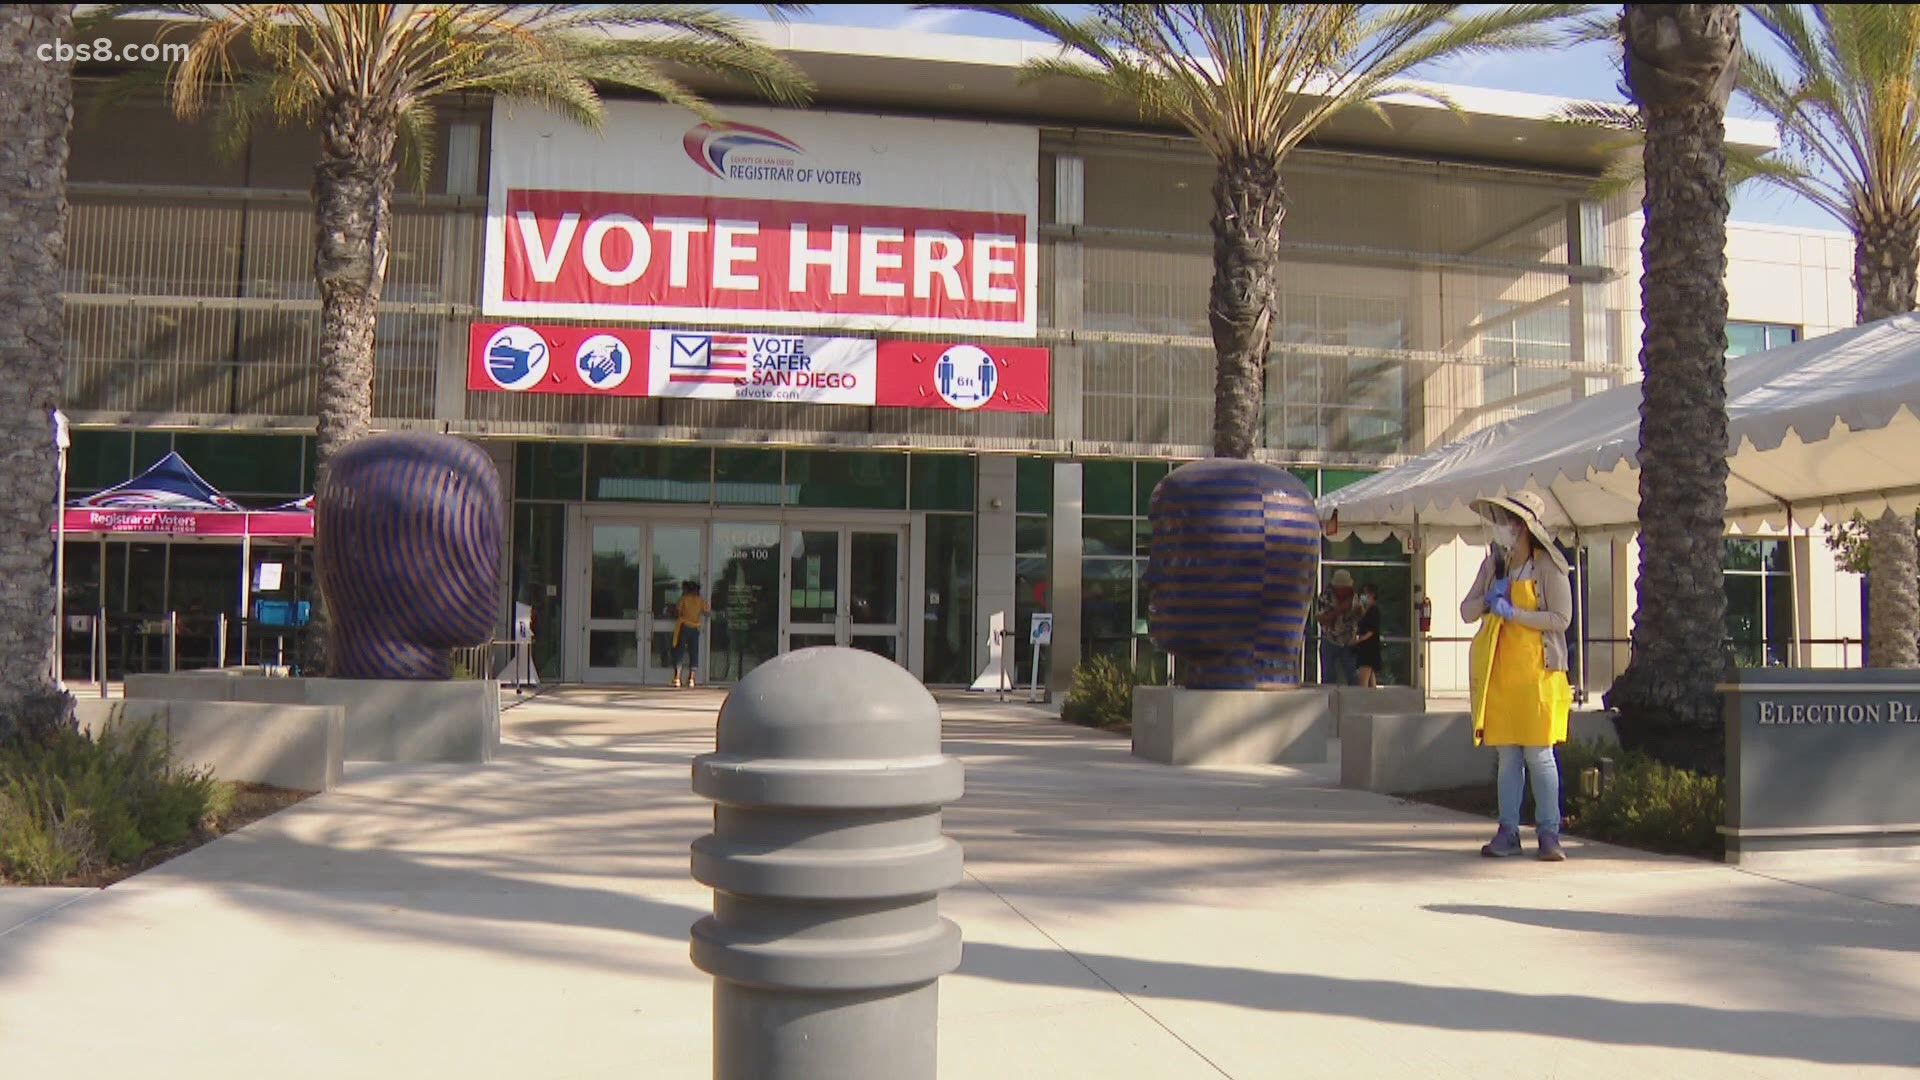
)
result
[(757, 365), (798, 220)]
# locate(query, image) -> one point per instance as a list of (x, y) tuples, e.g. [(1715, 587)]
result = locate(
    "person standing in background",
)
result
[(686, 630), (1366, 640), (1339, 621)]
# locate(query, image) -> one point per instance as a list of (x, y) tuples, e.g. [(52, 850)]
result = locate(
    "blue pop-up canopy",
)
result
[(170, 484)]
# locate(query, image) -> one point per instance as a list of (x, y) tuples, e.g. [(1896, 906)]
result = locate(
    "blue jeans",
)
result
[(1338, 665), (688, 650), (1545, 771)]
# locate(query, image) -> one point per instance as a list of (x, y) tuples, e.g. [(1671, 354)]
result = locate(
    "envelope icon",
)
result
[(690, 351)]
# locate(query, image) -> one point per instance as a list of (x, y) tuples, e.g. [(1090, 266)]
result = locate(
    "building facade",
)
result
[(1440, 274)]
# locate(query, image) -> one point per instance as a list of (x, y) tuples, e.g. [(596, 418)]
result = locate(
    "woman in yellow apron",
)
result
[(1518, 665)]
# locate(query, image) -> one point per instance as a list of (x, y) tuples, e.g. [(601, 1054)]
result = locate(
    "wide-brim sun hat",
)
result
[(1342, 579), (1531, 509)]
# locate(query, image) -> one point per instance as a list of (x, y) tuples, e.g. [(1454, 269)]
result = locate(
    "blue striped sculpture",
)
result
[(408, 531), (1231, 572)]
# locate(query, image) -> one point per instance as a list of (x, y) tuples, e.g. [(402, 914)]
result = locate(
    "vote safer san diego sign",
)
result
[(765, 366)]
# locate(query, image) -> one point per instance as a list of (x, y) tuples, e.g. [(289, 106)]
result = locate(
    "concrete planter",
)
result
[(386, 719), (1177, 726), (290, 746)]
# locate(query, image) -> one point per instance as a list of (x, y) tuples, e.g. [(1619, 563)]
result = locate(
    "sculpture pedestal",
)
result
[(1176, 726)]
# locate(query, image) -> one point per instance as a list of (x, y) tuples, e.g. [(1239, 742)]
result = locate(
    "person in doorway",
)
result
[(686, 631), (1366, 639), (1519, 665), (1339, 620)]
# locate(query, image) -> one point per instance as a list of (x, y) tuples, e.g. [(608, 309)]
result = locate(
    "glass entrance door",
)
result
[(635, 576), (844, 586), (678, 551)]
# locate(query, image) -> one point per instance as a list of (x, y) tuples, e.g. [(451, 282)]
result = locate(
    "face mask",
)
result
[(1507, 535)]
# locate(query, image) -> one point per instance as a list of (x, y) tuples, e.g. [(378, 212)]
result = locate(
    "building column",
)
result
[(1587, 309), (1069, 294), (993, 554), (460, 254), (1063, 592)]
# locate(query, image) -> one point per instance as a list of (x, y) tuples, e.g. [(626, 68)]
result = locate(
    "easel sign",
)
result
[(1040, 636)]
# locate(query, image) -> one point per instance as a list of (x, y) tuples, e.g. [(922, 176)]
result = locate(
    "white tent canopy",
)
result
[(1818, 428)]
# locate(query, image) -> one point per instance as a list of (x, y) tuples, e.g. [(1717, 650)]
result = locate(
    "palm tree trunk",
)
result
[(36, 109), (1249, 203), (1666, 697), (352, 226), (1886, 259)]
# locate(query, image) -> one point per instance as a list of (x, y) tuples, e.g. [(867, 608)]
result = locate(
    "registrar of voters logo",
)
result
[(744, 152), (965, 376), (516, 357), (603, 361)]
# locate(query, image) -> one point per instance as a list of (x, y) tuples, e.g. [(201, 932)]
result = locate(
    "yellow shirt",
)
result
[(692, 607)]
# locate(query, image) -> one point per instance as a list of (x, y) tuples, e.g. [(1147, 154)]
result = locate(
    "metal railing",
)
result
[(135, 643)]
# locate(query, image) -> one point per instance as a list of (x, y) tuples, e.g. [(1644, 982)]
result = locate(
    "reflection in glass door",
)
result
[(676, 553), (745, 629), (813, 588), (873, 591), (613, 603), (844, 588), (635, 575)]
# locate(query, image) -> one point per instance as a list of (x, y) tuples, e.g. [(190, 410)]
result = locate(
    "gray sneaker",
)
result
[(1549, 841), (1504, 843)]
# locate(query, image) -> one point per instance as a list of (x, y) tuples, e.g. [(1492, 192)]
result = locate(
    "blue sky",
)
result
[(1585, 71)]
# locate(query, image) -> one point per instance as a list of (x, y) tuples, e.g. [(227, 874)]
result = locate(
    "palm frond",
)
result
[(296, 60), (1846, 98), (1257, 79)]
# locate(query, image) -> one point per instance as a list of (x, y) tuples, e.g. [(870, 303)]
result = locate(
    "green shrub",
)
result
[(1102, 694), (72, 803), (1644, 803)]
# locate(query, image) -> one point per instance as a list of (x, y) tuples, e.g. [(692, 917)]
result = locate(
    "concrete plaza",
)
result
[(528, 920)]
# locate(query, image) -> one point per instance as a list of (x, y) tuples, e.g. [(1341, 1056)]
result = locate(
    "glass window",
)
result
[(1033, 486), (746, 477), (1106, 537), (1744, 338), (1387, 567), (149, 447), (1107, 488), (245, 464), (655, 474), (98, 459), (1145, 475), (1031, 534), (548, 470), (949, 618), (1332, 480), (1759, 586), (943, 482), (850, 479)]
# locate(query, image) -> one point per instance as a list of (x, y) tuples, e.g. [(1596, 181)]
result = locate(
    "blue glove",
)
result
[(1501, 589), (1501, 606)]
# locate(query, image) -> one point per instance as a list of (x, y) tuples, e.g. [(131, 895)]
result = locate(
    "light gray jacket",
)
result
[(1554, 616)]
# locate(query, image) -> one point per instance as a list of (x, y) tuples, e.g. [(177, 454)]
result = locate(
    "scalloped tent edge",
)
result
[(1817, 431)]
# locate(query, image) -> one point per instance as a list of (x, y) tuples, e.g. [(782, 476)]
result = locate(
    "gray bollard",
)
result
[(826, 860)]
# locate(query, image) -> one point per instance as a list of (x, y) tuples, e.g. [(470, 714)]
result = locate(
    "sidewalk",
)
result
[(528, 920)]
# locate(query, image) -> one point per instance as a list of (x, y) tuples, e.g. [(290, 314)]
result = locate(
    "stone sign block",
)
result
[(1822, 761)]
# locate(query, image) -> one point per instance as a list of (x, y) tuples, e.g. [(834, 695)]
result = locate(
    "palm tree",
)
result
[(36, 108), (1251, 82), (1848, 108), (1681, 62), (367, 77)]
